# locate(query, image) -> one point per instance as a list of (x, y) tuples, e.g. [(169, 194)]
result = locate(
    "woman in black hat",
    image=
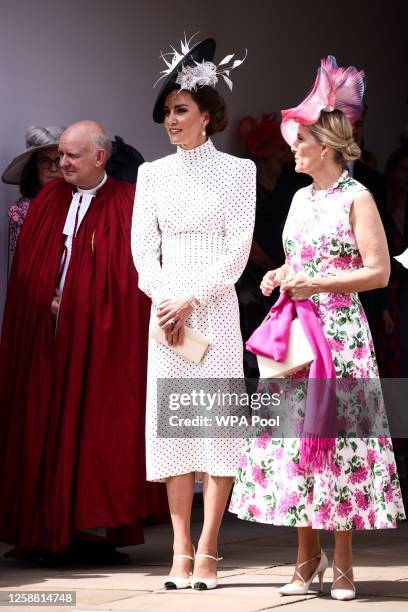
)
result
[(191, 236)]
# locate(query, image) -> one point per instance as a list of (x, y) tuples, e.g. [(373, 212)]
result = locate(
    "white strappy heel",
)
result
[(204, 584), (292, 588), (175, 582), (343, 594)]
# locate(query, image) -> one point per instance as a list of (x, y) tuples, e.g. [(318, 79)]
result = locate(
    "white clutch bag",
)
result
[(193, 348), (298, 356)]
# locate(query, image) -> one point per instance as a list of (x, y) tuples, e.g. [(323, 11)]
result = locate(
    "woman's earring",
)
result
[(204, 131)]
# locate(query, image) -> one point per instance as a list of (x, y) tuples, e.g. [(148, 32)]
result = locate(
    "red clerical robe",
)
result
[(73, 398)]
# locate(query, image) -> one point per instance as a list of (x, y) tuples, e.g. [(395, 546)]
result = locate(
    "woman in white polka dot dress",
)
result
[(191, 236)]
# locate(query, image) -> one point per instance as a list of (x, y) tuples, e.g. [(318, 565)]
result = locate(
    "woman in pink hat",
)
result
[(335, 247)]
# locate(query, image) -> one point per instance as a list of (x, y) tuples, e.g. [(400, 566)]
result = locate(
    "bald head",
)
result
[(90, 133), (84, 149)]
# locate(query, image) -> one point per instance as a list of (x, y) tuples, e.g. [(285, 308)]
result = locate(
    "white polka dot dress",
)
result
[(192, 229)]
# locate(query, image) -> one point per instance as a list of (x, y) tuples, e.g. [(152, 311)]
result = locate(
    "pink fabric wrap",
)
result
[(271, 339), (334, 87)]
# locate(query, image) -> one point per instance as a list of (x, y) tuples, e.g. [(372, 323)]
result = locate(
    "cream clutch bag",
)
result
[(193, 348), (298, 356)]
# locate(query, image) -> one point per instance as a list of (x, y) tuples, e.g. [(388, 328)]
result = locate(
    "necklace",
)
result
[(322, 193)]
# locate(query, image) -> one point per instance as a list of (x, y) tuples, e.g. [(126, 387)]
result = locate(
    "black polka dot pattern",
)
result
[(191, 235)]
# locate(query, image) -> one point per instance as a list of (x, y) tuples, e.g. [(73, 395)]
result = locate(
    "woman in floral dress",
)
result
[(335, 246)]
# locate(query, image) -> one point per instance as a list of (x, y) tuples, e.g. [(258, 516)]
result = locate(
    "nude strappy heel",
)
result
[(292, 588), (204, 584), (343, 594)]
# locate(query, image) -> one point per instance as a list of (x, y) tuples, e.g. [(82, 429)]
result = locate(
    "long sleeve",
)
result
[(146, 236), (239, 226)]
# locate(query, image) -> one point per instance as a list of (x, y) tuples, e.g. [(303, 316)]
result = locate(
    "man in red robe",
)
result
[(73, 364)]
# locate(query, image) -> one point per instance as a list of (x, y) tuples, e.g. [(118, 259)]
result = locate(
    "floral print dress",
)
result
[(17, 214), (360, 490)]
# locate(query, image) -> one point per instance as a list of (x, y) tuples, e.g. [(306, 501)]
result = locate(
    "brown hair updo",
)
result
[(208, 99), (334, 130)]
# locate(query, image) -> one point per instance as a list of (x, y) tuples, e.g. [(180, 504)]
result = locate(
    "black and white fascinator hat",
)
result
[(190, 68)]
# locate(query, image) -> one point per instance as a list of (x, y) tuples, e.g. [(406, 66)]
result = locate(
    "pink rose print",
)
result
[(339, 300), (262, 441), (290, 501), (299, 374), (391, 469), (342, 263), (372, 457), (344, 423), (384, 525), (323, 514), (335, 345), (366, 425), (360, 352), (371, 518), (258, 476), (243, 461), (270, 514), (254, 511), (346, 385), (358, 522), (344, 508), (335, 469), (361, 500), (358, 476), (279, 453), (308, 252), (361, 396), (388, 493)]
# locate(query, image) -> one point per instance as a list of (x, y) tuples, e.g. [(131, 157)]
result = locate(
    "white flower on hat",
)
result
[(198, 74)]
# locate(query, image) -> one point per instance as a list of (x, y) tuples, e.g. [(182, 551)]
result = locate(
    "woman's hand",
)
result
[(272, 279), (172, 315), (301, 287)]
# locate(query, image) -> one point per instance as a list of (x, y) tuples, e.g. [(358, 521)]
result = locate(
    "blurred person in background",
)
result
[(276, 185), (37, 165)]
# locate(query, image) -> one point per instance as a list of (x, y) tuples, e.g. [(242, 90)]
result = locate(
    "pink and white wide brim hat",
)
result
[(334, 88)]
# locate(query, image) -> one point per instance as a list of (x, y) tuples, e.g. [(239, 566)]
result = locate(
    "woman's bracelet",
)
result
[(194, 303)]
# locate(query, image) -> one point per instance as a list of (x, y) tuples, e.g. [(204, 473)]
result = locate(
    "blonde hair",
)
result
[(334, 130)]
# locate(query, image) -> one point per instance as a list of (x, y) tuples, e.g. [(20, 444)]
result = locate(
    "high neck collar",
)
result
[(200, 153)]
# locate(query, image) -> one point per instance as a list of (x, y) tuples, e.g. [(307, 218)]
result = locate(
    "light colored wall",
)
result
[(60, 62)]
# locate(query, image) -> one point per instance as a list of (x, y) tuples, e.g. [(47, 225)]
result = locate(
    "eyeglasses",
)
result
[(47, 162)]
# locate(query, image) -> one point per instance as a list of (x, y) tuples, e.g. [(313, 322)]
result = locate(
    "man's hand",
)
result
[(55, 304)]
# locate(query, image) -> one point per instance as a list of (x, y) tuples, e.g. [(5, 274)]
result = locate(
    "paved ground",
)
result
[(257, 559)]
